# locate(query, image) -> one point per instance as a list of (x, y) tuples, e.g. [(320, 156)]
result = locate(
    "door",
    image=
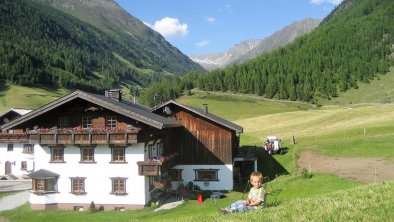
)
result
[(8, 168), (242, 171)]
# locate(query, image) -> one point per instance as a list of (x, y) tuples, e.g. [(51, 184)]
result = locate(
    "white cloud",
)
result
[(319, 2), (203, 43), (210, 19), (170, 27)]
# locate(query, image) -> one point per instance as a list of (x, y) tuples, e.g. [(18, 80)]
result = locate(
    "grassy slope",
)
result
[(296, 199), (13, 96), (236, 106), (378, 91)]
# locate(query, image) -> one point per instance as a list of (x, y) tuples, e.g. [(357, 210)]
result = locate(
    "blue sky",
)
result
[(198, 27)]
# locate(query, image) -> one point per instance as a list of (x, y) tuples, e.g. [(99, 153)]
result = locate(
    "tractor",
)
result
[(273, 145)]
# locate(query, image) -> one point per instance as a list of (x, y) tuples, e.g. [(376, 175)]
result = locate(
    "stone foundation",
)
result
[(85, 207)]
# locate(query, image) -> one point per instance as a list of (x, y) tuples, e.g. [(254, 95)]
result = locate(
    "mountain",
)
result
[(108, 16), (42, 45), (251, 48), (354, 44)]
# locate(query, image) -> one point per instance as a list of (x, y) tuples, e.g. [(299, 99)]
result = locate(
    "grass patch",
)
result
[(236, 107), (15, 96), (281, 191)]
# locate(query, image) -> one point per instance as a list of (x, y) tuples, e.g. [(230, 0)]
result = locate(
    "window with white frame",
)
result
[(86, 122), (64, 122), (206, 174), (159, 147), (111, 122)]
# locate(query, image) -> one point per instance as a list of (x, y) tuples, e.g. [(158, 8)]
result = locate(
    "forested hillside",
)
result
[(152, 49), (42, 45), (353, 44)]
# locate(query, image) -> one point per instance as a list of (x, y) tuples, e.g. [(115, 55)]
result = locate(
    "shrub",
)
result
[(306, 174), (92, 207)]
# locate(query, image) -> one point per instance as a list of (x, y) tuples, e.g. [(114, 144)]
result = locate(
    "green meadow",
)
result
[(339, 129), (14, 96)]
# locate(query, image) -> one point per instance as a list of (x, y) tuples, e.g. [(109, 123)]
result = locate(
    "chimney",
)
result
[(205, 107), (115, 94)]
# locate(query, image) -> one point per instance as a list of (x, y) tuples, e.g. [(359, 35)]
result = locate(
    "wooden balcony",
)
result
[(155, 167), (124, 138), (14, 138)]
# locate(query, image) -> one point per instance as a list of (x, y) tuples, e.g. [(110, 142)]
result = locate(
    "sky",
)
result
[(199, 27)]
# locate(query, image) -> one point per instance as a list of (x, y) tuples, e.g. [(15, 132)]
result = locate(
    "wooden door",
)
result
[(8, 168)]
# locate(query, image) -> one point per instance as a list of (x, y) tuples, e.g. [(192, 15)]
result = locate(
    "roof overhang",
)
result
[(95, 100)]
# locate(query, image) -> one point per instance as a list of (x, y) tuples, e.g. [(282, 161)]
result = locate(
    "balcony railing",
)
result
[(155, 167), (14, 138), (83, 138)]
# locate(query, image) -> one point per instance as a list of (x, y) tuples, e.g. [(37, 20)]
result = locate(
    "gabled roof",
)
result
[(42, 174), (16, 113), (21, 111), (128, 109), (207, 115)]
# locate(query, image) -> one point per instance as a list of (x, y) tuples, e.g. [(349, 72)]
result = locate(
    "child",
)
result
[(255, 197)]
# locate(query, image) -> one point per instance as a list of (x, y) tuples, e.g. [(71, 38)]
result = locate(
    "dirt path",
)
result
[(369, 170)]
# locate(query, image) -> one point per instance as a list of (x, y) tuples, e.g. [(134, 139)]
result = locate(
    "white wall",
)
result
[(225, 176), (98, 184), (16, 156)]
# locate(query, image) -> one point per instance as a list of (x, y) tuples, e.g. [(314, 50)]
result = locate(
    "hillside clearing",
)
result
[(369, 170), (313, 123)]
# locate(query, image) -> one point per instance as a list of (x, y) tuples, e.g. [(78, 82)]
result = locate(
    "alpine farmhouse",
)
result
[(87, 147)]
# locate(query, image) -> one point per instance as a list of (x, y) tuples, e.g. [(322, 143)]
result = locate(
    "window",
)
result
[(206, 175), (78, 185), (119, 186), (86, 122), (57, 154), (175, 174), (118, 154), (111, 122), (64, 122), (150, 151), (23, 165), (44, 185), (159, 149), (10, 147), (87, 154), (28, 148)]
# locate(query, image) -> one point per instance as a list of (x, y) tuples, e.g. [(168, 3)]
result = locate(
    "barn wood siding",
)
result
[(75, 110), (203, 141)]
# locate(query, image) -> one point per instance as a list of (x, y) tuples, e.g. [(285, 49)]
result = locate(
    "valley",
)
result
[(326, 92)]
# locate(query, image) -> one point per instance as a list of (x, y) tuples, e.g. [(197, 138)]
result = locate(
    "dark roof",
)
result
[(207, 115), (42, 174), (17, 111), (128, 109)]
